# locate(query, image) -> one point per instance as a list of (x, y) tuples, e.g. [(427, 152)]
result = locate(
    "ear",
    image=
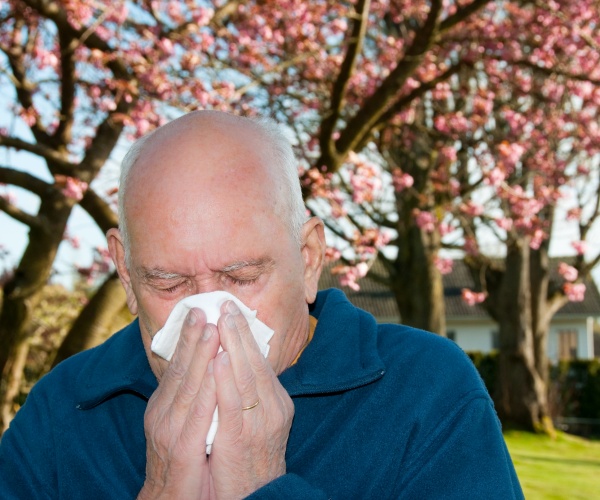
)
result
[(117, 252), (313, 253)]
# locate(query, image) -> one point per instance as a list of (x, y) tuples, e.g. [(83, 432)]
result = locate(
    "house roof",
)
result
[(377, 299)]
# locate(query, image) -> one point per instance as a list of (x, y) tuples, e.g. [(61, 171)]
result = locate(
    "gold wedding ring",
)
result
[(251, 406)]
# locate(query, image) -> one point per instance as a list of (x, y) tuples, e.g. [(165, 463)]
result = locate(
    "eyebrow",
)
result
[(158, 274), (261, 264), (151, 274)]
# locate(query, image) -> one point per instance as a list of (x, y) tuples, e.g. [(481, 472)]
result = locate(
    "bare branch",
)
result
[(462, 14), (67, 90), (47, 153), (25, 181), (18, 214), (99, 210), (338, 92)]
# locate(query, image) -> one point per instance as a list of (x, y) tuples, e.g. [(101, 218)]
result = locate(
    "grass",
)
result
[(564, 468)]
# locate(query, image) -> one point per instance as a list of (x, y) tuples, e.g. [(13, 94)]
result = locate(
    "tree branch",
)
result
[(67, 90), (418, 92), (363, 122), (25, 181), (18, 214), (99, 210), (47, 153), (462, 14), (338, 92)]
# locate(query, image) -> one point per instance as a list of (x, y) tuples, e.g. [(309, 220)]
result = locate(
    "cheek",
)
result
[(153, 314)]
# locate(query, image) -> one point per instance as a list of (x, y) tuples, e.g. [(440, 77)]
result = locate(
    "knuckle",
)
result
[(176, 370), (246, 380)]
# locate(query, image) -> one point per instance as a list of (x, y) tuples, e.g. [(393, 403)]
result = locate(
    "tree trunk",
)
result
[(22, 291), (11, 382), (94, 323), (417, 283), (521, 398)]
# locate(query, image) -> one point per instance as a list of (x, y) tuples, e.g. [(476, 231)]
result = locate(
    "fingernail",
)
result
[(191, 317), (225, 358), (230, 320), (207, 332), (232, 308)]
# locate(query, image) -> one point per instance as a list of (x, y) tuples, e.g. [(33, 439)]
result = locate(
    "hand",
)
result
[(249, 448), (179, 414)]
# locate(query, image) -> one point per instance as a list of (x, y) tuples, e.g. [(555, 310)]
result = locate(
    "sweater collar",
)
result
[(343, 352), (120, 364)]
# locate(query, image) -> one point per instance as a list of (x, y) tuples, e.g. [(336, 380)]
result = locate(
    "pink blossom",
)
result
[(445, 228), (574, 214), (349, 274), (72, 240), (74, 188), (472, 298), (495, 177), (568, 272), (332, 254), (579, 246), (511, 152), (424, 220), (401, 180), (575, 292), (536, 239), (10, 197), (470, 246), (471, 208), (444, 266), (504, 223)]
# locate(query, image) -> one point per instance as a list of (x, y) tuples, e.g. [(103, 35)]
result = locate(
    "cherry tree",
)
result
[(442, 120), (401, 114), (78, 77)]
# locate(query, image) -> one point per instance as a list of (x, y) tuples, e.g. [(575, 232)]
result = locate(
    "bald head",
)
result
[(221, 152)]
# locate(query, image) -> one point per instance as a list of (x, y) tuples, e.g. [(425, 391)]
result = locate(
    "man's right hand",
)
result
[(179, 414)]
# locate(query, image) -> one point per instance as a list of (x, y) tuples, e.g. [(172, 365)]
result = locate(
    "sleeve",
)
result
[(466, 457), (27, 453), (290, 487)]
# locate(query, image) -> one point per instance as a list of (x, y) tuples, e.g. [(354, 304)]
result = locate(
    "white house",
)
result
[(571, 331)]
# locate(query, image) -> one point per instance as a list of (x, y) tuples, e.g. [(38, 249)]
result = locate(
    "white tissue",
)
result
[(165, 340)]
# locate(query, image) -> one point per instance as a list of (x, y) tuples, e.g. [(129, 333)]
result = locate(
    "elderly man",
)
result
[(340, 408)]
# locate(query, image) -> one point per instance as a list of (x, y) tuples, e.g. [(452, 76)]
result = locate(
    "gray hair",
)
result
[(295, 210)]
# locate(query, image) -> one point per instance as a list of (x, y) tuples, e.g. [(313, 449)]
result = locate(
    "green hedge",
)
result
[(574, 390)]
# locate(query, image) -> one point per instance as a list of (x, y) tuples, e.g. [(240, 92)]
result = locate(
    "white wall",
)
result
[(472, 335), (477, 335)]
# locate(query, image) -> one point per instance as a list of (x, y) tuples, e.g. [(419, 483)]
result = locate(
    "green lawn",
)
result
[(566, 468)]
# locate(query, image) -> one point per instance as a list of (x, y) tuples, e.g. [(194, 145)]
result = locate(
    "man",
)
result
[(346, 409)]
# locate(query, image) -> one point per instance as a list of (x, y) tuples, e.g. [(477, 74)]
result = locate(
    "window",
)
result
[(567, 344), (451, 335)]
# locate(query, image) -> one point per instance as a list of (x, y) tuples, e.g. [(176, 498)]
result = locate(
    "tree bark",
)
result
[(22, 291), (521, 395), (417, 283), (94, 323), (11, 381)]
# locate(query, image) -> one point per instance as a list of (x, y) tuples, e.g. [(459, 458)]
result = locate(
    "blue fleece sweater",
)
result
[(382, 411)]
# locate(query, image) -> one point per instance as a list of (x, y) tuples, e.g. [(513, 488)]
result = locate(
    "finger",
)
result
[(191, 331), (258, 363), (204, 351), (202, 409), (229, 399), (233, 327)]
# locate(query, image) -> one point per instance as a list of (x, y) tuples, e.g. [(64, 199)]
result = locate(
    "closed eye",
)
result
[(242, 282), (172, 289)]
